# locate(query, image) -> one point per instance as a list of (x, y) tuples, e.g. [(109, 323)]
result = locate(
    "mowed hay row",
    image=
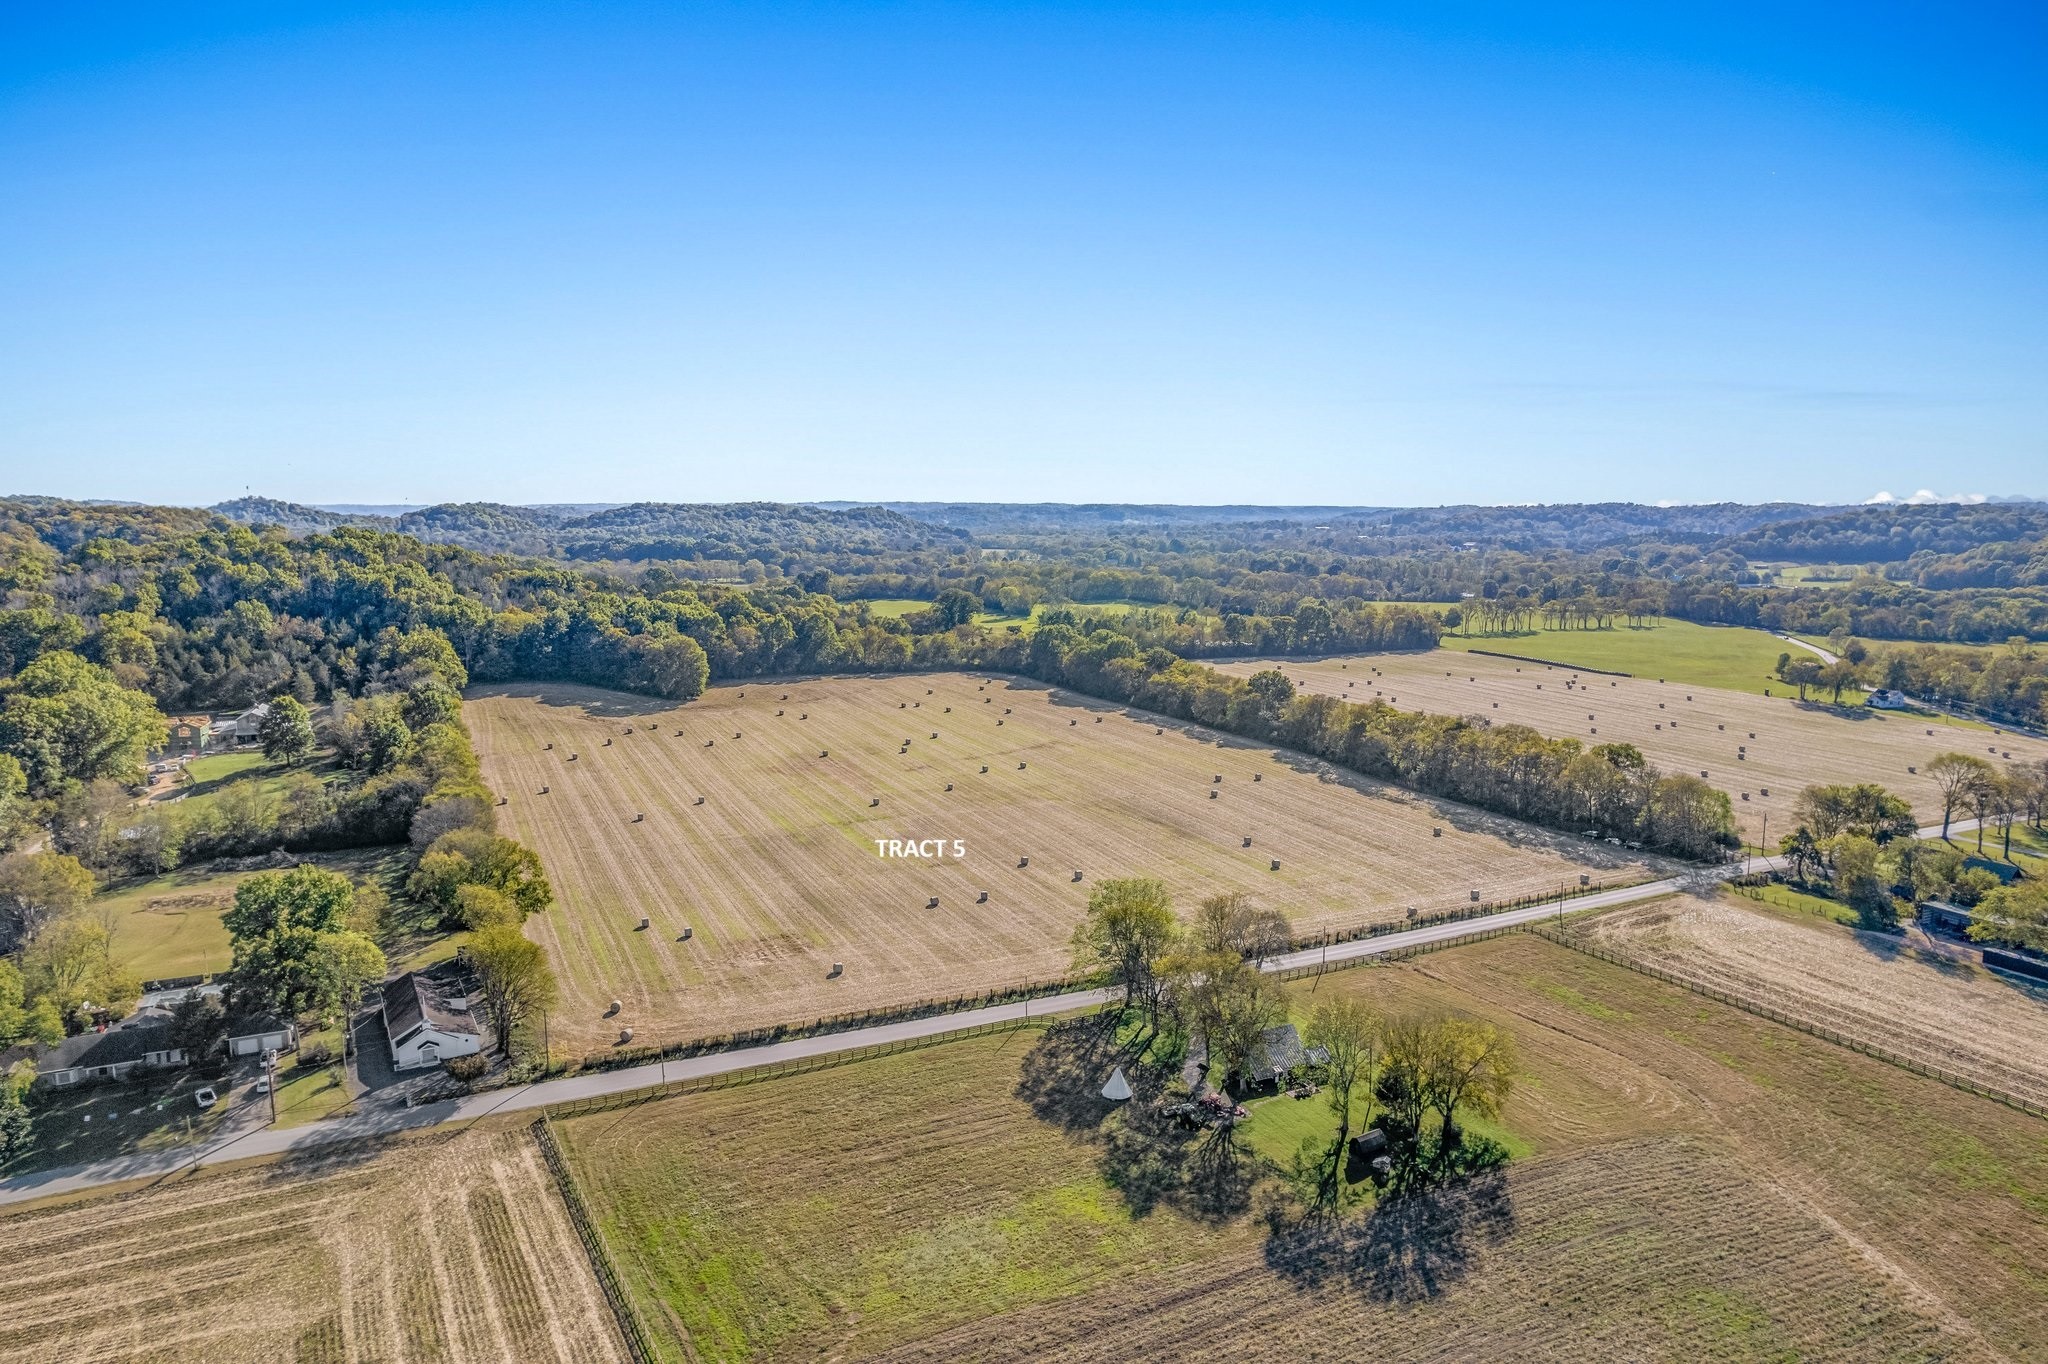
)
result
[(1655, 1249), (455, 1249), (777, 876), (1943, 1012), (1703, 730)]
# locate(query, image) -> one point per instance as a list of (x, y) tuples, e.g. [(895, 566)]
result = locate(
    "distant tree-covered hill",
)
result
[(725, 533), (1891, 534), (1563, 525)]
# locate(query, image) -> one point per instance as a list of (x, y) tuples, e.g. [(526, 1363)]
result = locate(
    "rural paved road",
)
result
[(271, 1141), (1825, 656)]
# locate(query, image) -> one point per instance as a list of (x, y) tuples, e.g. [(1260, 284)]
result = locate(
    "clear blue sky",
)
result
[(1389, 254)]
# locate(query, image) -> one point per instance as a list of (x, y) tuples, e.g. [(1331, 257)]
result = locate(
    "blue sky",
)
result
[(1387, 254)]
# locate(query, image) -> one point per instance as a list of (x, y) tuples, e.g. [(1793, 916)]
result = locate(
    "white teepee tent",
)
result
[(1118, 1089)]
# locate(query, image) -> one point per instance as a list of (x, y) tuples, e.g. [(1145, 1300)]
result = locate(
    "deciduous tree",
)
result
[(1129, 926), (514, 978)]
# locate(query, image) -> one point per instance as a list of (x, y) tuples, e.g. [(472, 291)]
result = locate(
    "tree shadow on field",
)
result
[(1408, 1249), (1854, 714), (594, 702), (1148, 1155), (1061, 1078)]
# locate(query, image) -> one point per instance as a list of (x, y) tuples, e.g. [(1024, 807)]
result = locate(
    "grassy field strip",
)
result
[(1680, 728), (777, 874), (1917, 1015), (1697, 1183), (1729, 657)]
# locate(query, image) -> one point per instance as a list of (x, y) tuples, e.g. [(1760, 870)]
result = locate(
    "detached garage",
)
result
[(266, 1032)]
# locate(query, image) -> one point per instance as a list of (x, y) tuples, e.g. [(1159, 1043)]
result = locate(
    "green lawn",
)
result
[(308, 1093), (895, 608), (208, 777), (169, 926), (1679, 651)]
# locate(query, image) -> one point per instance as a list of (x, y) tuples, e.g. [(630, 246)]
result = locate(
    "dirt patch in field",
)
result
[(764, 846), (454, 1249), (1744, 744)]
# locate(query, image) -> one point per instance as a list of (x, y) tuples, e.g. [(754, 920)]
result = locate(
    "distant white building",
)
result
[(249, 724), (424, 1026), (1884, 698)]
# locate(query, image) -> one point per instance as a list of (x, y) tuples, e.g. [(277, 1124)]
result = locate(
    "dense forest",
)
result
[(1972, 574)]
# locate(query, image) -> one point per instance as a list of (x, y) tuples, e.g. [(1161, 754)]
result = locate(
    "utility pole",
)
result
[(270, 1072)]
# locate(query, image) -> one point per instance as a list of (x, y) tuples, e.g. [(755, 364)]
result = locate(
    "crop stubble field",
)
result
[(1699, 1184), (777, 873), (1935, 1009), (454, 1249), (1703, 730)]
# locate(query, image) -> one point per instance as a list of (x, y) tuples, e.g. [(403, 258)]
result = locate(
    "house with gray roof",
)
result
[(142, 1043), (427, 1023)]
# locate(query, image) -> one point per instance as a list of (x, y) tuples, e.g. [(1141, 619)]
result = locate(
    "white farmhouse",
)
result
[(425, 1026)]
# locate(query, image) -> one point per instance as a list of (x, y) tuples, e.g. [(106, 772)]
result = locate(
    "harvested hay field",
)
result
[(1929, 1006), (764, 845), (1681, 728), (1695, 1183), (453, 1249)]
